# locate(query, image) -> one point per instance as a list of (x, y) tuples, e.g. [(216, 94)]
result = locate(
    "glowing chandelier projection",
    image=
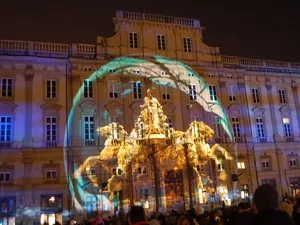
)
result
[(161, 71)]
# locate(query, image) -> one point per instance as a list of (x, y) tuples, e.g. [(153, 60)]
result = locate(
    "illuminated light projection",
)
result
[(161, 71)]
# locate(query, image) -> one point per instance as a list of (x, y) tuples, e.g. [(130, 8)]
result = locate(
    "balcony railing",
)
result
[(289, 139), (5, 144), (259, 64)]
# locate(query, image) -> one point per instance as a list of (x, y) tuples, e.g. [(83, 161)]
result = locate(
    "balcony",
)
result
[(288, 139), (262, 140)]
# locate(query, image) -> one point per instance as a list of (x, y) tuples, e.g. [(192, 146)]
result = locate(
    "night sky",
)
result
[(268, 30)]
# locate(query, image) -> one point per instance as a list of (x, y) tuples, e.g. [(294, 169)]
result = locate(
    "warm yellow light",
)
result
[(286, 120)]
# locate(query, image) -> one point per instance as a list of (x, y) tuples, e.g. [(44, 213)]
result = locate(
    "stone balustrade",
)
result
[(259, 63), (158, 18)]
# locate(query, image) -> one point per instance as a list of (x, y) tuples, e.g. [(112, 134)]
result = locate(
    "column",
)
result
[(75, 117), (245, 114), (252, 168), (296, 99), (126, 102), (101, 99), (29, 76), (272, 112), (224, 100)]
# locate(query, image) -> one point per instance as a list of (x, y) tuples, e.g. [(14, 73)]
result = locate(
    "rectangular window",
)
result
[(133, 40), (5, 177), (260, 128), (193, 92), (5, 131), (51, 88), (51, 131), (212, 92), (282, 98), (236, 127), (232, 93), (93, 171), (187, 44), (142, 170), (51, 174), (88, 89), (241, 165), (6, 87), (244, 191), (89, 130), (265, 164), (255, 95), (269, 181), (113, 87), (293, 162), (287, 127), (166, 92), (137, 90), (91, 204), (161, 44), (217, 126)]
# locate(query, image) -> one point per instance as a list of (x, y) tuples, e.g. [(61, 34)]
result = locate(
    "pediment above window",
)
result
[(7, 107), (88, 105), (112, 106), (292, 154), (136, 106), (51, 107), (242, 157), (51, 166), (285, 110), (169, 108), (265, 156), (5, 167), (259, 110), (234, 109)]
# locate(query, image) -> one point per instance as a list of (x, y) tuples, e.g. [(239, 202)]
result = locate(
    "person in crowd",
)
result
[(153, 220), (162, 219), (137, 216), (296, 214), (183, 221), (286, 207), (245, 216), (214, 218), (173, 217), (97, 220), (265, 204)]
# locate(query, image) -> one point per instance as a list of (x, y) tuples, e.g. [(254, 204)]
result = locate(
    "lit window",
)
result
[(133, 40), (51, 89), (287, 127), (89, 130), (117, 171), (88, 89), (187, 44), (241, 165), (5, 131), (212, 92), (91, 204), (244, 191), (6, 87), (255, 95), (193, 92), (161, 44), (282, 98), (221, 166)]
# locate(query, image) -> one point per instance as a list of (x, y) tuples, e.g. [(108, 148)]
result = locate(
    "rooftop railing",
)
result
[(158, 18), (235, 61)]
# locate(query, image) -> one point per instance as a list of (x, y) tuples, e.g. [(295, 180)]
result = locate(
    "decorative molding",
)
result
[(136, 106), (269, 87), (285, 110), (242, 157), (51, 166), (259, 110), (113, 105), (29, 77), (89, 104), (234, 109), (51, 107), (5, 167), (169, 108), (7, 106)]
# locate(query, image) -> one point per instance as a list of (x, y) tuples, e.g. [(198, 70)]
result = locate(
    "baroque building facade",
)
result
[(50, 110)]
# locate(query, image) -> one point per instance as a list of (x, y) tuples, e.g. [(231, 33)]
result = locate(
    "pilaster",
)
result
[(272, 112), (296, 99), (28, 139)]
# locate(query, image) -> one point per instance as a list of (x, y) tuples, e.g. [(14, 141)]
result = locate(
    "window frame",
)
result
[(6, 142), (193, 92), (112, 93), (161, 42), (282, 96), (7, 85), (51, 142), (232, 93), (255, 93), (4, 181), (133, 39), (212, 92), (88, 88), (51, 172), (90, 141), (51, 93), (187, 44), (136, 90)]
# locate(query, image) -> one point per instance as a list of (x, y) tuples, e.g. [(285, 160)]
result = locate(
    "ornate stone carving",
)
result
[(29, 77), (51, 107), (51, 166)]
